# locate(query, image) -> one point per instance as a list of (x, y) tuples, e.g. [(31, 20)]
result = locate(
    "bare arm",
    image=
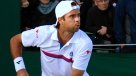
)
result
[(16, 46), (76, 72), (16, 51)]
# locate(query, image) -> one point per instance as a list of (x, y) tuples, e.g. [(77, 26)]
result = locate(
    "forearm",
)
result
[(16, 52), (76, 72), (16, 46)]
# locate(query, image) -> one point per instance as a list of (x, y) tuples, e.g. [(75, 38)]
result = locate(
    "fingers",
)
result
[(122, 46), (102, 31), (25, 4)]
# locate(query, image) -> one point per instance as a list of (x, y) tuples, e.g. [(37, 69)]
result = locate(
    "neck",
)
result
[(64, 36)]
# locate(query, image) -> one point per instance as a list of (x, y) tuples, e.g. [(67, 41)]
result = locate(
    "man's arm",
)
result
[(16, 52), (76, 72), (16, 46), (81, 59)]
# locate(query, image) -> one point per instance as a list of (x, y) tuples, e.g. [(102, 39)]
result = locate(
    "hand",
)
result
[(22, 72), (122, 46), (24, 3), (108, 36), (102, 31)]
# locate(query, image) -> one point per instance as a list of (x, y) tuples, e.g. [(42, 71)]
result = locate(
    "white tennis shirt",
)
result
[(56, 61)]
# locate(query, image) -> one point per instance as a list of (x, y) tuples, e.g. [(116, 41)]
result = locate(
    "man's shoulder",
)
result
[(84, 37), (45, 30), (46, 27)]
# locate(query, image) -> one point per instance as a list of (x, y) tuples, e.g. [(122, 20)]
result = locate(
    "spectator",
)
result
[(83, 11), (100, 21), (123, 8), (27, 8), (41, 13)]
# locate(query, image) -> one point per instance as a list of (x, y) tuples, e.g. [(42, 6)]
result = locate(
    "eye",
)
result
[(72, 16)]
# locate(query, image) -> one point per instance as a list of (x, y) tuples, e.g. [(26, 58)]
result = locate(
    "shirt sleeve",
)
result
[(30, 37), (81, 59)]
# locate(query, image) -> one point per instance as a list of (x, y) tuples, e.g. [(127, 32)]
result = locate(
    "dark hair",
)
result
[(58, 25)]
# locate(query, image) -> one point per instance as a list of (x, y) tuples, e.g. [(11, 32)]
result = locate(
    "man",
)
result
[(123, 8), (100, 21), (62, 53)]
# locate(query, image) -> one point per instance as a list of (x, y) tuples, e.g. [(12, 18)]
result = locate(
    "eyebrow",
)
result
[(74, 14)]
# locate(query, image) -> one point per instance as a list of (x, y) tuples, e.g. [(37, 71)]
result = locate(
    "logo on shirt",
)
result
[(88, 52), (71, 54)]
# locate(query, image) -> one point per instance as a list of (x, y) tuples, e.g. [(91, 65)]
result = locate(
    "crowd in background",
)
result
[(105, 21)]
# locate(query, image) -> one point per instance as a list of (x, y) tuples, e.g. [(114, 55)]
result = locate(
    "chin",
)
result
[(76, 30)]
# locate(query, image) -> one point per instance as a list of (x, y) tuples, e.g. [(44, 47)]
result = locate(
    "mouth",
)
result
[(78, 26)]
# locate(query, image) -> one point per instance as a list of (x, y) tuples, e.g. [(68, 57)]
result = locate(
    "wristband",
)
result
[(19, 63)]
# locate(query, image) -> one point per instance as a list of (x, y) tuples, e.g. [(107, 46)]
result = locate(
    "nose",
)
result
[(77, 18)]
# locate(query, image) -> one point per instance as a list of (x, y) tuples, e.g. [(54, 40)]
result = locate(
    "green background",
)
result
[(101, 64)]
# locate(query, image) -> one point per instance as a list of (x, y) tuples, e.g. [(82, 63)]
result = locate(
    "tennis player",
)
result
[(65, 49)]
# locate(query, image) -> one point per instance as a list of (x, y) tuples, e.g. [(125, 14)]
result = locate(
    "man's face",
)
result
[(71, 21), (102, 4)]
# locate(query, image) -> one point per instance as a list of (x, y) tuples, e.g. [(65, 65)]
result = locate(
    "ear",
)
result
[(60, 20)]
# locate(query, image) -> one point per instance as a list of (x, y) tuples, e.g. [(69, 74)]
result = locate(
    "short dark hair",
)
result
[(58, 24)]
